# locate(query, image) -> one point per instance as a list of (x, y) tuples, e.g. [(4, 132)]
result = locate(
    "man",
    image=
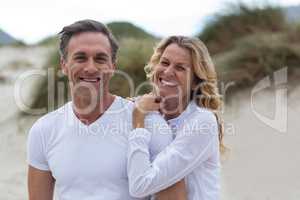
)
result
[(81, 148)]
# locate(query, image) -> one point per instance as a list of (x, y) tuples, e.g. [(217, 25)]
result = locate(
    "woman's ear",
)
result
[(196, 83), (63, 66)]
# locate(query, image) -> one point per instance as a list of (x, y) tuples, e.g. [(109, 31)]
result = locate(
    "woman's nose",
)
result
[(169, 71)]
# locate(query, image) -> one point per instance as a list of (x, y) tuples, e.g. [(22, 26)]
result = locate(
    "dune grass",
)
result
[(254, 57), (248, 43), (239, 20)]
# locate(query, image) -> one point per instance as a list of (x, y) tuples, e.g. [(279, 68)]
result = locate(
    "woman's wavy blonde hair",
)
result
[(204, 75)]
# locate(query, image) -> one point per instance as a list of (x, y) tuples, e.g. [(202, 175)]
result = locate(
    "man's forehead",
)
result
[(89, 41)]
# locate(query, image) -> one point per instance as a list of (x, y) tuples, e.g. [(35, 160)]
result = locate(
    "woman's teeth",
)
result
[(168, 83)]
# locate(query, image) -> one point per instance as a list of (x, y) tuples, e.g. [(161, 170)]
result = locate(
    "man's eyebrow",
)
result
[(79, 53), (102, 55)]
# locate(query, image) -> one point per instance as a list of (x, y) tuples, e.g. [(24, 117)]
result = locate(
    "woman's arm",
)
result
[(174, 192), (194, 143)]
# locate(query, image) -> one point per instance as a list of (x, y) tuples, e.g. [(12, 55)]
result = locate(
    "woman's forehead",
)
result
[(175, 52)]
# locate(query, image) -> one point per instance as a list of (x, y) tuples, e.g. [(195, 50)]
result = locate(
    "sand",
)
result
[(14, 128), (263, 163)]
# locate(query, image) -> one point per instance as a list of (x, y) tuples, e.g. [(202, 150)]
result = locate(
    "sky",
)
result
[(33, 20)]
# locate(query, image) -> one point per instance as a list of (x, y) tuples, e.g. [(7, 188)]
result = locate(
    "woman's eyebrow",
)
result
[(164, 58), (178, 63)]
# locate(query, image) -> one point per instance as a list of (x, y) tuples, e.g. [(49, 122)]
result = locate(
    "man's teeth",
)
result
[(92, 80), (167, 83)]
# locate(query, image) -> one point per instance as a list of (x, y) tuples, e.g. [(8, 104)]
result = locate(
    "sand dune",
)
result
[(13, 128), (264, 162)]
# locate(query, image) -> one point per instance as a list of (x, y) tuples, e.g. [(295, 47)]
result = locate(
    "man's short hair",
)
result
[(86, 26)]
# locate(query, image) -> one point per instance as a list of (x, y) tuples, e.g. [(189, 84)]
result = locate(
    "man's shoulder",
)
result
[(129, 105), (124, 106), (126, 102), (50, 119)]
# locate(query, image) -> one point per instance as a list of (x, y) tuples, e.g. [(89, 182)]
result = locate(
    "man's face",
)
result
[(88, 64)]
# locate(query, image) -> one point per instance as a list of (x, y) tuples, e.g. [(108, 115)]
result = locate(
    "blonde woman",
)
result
[(185, 79)]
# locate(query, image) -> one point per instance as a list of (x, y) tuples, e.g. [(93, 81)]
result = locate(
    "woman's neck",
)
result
[(172, 108)]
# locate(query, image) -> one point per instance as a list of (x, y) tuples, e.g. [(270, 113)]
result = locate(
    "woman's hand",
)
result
[(145, 104), (148, 103)]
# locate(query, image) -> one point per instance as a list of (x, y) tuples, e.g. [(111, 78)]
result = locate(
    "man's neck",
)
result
[(89, 113)]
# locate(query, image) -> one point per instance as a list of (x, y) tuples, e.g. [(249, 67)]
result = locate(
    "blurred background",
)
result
[(255, 46)]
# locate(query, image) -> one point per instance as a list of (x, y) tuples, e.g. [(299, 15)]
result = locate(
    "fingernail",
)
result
[(157, 99)]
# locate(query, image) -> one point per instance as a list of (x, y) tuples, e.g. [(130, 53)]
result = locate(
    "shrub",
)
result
[(254, 57), (241, 20)]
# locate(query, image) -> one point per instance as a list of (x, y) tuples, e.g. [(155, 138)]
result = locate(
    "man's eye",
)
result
[(80, 58), (101, 60)]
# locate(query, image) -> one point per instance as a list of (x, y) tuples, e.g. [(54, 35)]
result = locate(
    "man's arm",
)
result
[(40, 184), (174, 192)]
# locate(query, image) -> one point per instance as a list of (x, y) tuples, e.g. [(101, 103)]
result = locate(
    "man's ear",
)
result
[(114, 66), (63, 66)]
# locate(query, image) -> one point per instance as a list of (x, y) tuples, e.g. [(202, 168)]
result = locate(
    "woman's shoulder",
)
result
[(201, 113), (200, 119), (199, 127)]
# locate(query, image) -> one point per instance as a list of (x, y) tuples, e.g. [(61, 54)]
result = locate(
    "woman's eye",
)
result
[(180, 67), (164, 63)]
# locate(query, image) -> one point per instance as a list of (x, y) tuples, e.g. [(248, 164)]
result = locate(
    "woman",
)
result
[(185, 78)]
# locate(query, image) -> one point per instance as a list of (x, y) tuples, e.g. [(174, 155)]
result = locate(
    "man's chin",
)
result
[(87, 85), (86, 90)]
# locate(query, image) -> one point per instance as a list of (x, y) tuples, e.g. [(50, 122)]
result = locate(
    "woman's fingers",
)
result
[(130, 99), (149, 102), (157, 99)]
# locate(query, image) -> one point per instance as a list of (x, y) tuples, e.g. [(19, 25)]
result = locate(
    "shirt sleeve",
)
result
[(36, 148), (195, 142), (161, 134)]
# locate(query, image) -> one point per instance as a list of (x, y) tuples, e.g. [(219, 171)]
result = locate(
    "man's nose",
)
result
[(90, 67)]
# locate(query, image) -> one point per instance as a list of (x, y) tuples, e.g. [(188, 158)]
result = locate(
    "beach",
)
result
[(261, 164)]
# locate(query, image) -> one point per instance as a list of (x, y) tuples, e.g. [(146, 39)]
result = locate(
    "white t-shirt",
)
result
[(88, 162), (193, 155)]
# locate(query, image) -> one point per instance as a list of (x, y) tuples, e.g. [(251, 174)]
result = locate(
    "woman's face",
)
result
[(174, 73)]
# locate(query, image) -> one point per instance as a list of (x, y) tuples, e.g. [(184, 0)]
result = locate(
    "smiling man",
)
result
[(81, 148)]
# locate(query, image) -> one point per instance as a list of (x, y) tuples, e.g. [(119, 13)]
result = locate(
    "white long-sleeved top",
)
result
[(193, 155)]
